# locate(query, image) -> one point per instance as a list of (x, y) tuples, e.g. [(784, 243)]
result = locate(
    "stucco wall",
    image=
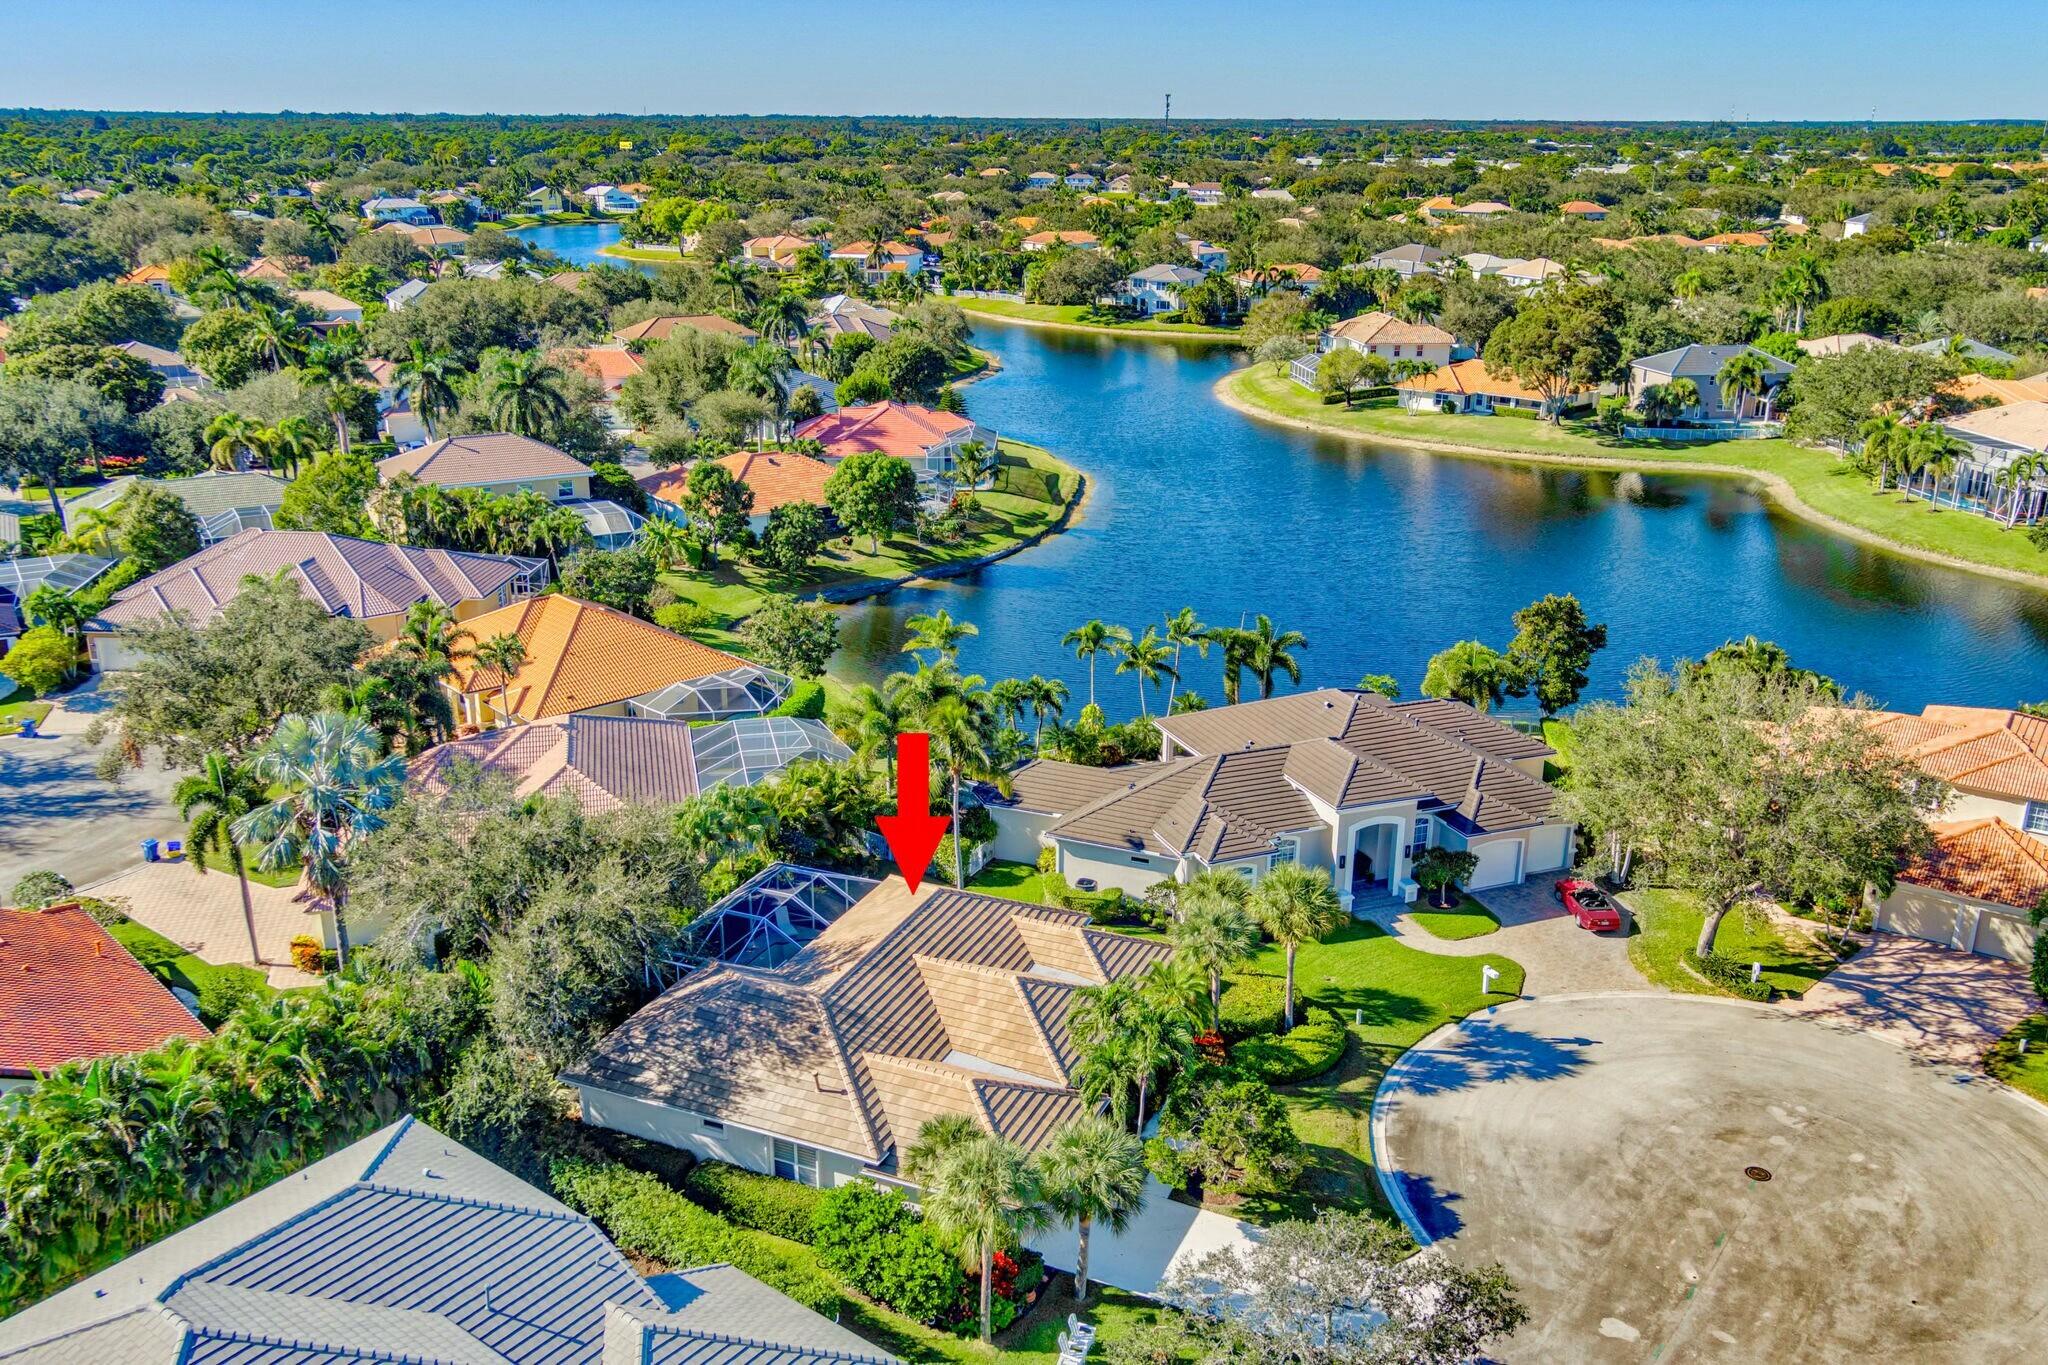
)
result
[(679, 1128), (1110, 868), (1966, 805), (1017, 833), (1956, 921)]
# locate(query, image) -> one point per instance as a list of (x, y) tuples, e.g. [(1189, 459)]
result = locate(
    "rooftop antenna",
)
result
[(1169, 108)]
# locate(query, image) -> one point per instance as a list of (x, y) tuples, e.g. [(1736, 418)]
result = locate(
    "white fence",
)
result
[(1711, 431), (1005, 295)]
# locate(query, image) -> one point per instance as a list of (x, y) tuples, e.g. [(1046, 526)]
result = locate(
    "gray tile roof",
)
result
[(1699, 362), (349, 577), (204, 495), (1050, 787), (408, 1246), (487, 457)]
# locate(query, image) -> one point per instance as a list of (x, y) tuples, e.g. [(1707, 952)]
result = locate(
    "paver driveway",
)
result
[(1937, 1003), (1557, 956), (1597, 1147)]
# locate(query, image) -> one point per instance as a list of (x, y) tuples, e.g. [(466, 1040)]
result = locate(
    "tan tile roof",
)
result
[(580, 656), (1982, 748), (1062, 238), (1986, 860), (1384, 329), (326, 301), (1051, 787), (73, 993), (487, 457), (601, 762), (1470, 377), (778, 246), (905, 429), (906, 1008), (2021, 424), (1300, 272), (1973, 388), (862, 250), (668, 324), (1737, 239), (265, 268)]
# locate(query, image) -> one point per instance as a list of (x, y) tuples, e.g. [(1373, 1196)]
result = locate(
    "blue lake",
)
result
[(576, 243)]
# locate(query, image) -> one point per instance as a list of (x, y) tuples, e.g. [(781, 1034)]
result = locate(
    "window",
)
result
[(1285, 850), (1243, 870), (1419, 839), (2037, 817), (713, 1126), (564, 490), (794, 1161)]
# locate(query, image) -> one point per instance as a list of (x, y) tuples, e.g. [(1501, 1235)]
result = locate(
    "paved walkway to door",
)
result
[(1138, 1258), (1937, 1003)]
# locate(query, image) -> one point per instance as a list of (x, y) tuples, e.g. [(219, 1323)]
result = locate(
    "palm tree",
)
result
[(209, 802), (1940, 454), (1092, 1171), (782, 318), (1213, 934), (432, 632), (1046, 697), (982, 1195), (231, 440), (1801, 285), (428, 377), (1184, 630), (289, 444), (335, 785), (939, 632), (1149, 657), (1742, 373), (1882, 437), (936, 1139), (1689, 285), (525, 392), (503, 654), (1295, 905), (1683, 395), (1009, 698), (961, 727), (335, 369), (280, 337), (869, 724), (735, 280), (1470, 672), (1089, 639), (1264, 652)]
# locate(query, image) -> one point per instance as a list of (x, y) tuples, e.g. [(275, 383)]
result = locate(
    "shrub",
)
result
[(684, 617), (1310, 1050), (761, 1202), (1166, 1163), (1252, 1005), (1728, 974), (226, 989), (1048, 859), (876, 1240), (806, 701), (40, 888), (645, 1216), (308, 955)]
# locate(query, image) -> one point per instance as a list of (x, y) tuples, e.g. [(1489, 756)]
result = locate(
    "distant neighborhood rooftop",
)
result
[(488, 457)]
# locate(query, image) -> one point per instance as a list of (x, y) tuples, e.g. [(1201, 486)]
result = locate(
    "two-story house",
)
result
[(876, 265), (611, 199), (1156, 288), (390, 208)]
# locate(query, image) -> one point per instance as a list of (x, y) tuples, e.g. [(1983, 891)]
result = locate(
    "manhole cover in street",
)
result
[(1756, 1173)]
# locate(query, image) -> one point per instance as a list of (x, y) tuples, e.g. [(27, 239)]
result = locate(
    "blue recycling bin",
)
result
[(28, 727), (149, 854)]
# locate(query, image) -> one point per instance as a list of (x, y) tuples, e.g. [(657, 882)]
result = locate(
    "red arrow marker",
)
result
[(913, 832)]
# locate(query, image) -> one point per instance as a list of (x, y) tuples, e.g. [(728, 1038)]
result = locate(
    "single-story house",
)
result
[(369, 580), (612, 199), (1971, 890), (1528, 274), (1156, 288), (152, 276), (1409, 260), (839, 1015), (586, 658), (1469, 386), (1585, 210), (1481, 208), (1996, 437), (334, 310), (433, 240), (1341, 780), (894, 258), (1702, 365), (269, 270), (928, 438), (1972, 350), (398, 298), (1981, 390), (497, 461), (224, 502), (1995, 760), (398, 209), (177, 372), (845, 315), (1841, 343), (777, 251), (1046, 241), (663, 326), (1274, 193), (604, 762), (75, 994), (1207, 193), (776, 477), (1856, 224), (406, 1245)]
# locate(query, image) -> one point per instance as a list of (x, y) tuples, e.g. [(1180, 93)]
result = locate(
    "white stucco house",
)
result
[(1156, 288)]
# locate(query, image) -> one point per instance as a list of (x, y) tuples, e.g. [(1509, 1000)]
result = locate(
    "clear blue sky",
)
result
[(1790, 59)]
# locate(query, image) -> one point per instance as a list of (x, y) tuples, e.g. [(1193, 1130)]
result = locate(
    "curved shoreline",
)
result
[(1217, 338), (1775, 487)]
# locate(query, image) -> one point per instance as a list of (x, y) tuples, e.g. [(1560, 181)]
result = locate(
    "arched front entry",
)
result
[(1375, 861)]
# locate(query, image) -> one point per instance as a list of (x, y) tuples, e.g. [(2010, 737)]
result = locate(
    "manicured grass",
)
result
[(640, 253), (1668, 923), (1470, 920), (1558, 735), (1074, 315), (286, 877), (1820, 481), (2026, 1071), (173, 966), (1332, 1115), (1391, 994), (13, 713), (1018, 881)]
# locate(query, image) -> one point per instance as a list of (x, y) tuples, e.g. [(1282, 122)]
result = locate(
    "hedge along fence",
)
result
[(647, 1217)]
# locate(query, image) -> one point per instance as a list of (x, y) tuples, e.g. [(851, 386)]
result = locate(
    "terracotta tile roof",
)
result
[(777, 478), (1581, 206), (668, 324), (1300, 272), (1982, 748), (1737, 239), (1974, 388), (906, 1008), (905, 429), (1061, 238), (487, 457), (1986, 860), (610, 366), (70, 992), (1377, 328), (778, 246), (581, 656), (265, 268), (862, 250), (359, 578), (1469, 377), (147, 274)]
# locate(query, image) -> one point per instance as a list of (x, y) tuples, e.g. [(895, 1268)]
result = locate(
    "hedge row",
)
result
[(1730, 975), (762, 1202), (1315, 1045), (1253, 1005), (806, 701), (645, 1216)]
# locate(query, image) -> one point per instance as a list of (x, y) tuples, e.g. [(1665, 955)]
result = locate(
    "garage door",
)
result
[(2006, 936), (1918, 913), (1500, 863)]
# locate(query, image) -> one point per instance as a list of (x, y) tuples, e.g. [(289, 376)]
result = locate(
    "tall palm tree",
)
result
[(1092, 1171), (281, 338), (938, 632), (432, 632), (1882, 438), (782, 318), (209, 802), (335, 784), (428, 377), (1103, 1023), (1089, 639), (1802, 285), (231, 440), (983, 1196), (1940, 455), (734, 280), (525, 392), (1295, 905), (1184, 630), (962, 728), (1047, 697), (289, 444), (1213, 934), (1009, 698), (869, 723), (1266, 652), (334, 368), (1742, 373), (1689, 285), (503, 654), (1150, 658)]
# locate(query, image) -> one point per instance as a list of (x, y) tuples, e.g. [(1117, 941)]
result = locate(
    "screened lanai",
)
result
[(747, 750), (770, 919), (65, 573), (746, 691)]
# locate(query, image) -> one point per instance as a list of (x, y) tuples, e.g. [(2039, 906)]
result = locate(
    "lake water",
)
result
[(1383, 556), (576, 243)]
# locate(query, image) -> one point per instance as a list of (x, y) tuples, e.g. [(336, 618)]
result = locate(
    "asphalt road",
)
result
[(55, 814), (1597, 1146)]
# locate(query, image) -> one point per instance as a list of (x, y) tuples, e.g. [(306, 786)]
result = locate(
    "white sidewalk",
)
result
[(1138, 1258)]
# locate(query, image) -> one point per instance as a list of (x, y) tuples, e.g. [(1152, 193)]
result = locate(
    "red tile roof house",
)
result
[(926, 437), (1972, 890), (777, 478), (369, 580), (69, 992)]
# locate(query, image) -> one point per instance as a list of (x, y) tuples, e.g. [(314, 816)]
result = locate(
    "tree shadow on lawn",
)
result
[(1488, 1051), (1370, 1006)]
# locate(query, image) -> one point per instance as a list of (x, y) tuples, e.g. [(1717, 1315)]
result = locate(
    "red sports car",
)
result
[(1589, 905)]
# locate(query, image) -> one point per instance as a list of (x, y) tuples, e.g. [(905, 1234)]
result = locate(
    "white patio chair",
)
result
[(1083, 1333)]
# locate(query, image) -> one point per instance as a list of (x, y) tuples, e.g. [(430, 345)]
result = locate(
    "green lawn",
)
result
[(12, 713), (1018, 881), (640, 253), (1668, 923), (1390, 993), (2023, 1071), (1332, 1116), (1822, 482), (1074, 315), (173, 966), (1470, 920), (1558, 735)]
